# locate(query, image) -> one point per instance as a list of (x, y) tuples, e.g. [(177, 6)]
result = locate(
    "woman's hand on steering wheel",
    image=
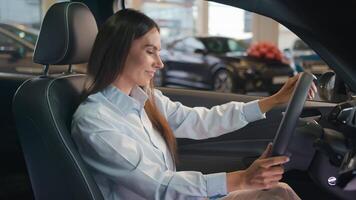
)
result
[(284, 94), (263, 173)]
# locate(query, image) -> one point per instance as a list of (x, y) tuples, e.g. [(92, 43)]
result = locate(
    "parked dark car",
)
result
[(303, 58), (220, 64)]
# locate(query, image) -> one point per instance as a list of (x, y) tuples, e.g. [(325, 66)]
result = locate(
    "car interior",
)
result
[(43, 159)]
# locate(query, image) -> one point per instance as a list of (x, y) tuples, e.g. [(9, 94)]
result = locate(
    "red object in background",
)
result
[(265, 50)]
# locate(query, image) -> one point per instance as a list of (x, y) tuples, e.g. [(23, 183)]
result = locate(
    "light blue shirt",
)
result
[(130, 160)]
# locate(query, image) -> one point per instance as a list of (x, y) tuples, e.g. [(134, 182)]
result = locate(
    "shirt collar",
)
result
[(122, 101)]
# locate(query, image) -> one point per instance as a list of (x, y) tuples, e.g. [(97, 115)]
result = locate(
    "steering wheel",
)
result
[(294, 109)]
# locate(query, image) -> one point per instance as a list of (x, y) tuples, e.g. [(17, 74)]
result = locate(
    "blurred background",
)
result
[(205, 45)]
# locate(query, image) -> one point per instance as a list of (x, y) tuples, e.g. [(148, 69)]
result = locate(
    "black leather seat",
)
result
[(43, 107), (14, 179)]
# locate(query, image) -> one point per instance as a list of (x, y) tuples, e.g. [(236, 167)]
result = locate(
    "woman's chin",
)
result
[(144, 84)]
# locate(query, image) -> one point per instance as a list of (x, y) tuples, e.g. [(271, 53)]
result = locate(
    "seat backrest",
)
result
[(43, 107), (13, 167)]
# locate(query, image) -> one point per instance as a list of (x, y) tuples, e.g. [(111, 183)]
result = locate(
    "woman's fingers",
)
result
[(272, 171), (269, 162), (274, 178), (310, 96), (295, 78), (266, 171), (270, 176), (267, 183), (271, 184), (314, 88), (269, 179), (312, 91), (291, 81), (267, 151)]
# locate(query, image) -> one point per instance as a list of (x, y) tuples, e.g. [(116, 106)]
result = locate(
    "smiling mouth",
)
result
[(151, 73)]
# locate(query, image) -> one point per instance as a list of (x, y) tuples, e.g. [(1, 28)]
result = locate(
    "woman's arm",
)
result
[(201, 122)]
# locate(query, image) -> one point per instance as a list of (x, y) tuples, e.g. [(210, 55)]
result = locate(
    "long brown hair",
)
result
[(108, 57)]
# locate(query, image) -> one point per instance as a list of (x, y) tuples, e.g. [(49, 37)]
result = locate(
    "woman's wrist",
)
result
[(235, 180), (268, 103)]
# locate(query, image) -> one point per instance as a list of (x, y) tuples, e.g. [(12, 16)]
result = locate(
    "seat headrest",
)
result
[(67, 35)]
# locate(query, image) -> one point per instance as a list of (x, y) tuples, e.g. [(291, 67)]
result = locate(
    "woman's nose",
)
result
[(159, 63)]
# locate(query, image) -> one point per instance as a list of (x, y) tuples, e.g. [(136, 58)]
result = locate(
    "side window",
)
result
[(223, 33), (193, 44), (216, 46), (19, 28), (236, 46)]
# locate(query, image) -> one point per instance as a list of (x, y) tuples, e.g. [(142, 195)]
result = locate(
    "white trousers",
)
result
[(281, 191)]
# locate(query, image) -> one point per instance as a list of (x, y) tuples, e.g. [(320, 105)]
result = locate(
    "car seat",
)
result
[(43, 106)]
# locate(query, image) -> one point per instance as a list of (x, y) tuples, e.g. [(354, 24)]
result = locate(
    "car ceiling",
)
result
[(326, 26)]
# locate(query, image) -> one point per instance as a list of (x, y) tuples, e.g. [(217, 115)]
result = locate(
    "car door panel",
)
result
[(227, 155)]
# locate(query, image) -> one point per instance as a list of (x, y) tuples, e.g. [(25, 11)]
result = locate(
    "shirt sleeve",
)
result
[(122, 159), (202, 123)]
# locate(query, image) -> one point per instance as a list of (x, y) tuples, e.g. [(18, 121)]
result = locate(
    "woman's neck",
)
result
[(123, 85)]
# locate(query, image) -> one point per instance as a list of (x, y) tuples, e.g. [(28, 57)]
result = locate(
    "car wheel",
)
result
[(223, 81), (158, 78)]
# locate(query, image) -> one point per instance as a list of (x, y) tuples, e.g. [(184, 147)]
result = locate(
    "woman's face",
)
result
[(143, 59)]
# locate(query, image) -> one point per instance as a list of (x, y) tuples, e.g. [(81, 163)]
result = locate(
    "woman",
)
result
[(125, 129)]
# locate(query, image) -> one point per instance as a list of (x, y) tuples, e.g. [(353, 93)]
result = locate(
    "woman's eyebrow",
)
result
[(153, 46)]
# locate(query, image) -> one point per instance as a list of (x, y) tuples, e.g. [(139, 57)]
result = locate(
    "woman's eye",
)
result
[(150, 52)]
